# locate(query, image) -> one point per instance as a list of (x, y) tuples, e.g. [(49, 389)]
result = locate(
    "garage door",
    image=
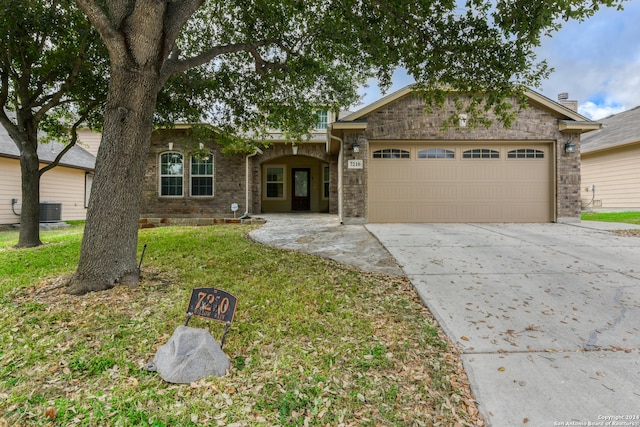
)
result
[(462, 183)]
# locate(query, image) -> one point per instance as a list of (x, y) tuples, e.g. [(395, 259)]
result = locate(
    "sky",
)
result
[(597, 62)]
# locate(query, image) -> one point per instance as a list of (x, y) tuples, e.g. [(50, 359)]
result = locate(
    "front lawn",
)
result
[(628, 217), (313, 342)]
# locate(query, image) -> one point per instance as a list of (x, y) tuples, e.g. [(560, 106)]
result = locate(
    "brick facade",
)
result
[(229, 182), (407, 120), (229, 179), (354, 181)]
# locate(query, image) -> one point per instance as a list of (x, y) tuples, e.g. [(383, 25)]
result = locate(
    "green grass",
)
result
[(312, 342), (627, 217)]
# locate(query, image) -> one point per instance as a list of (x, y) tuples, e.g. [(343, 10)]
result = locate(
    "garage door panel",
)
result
[(390, 192), (395, 173), (523, 172), (480, 193), (489, 170), (427, 193), (435, 213), (527, 192), (435, 172), (402, 213), (462, 190)]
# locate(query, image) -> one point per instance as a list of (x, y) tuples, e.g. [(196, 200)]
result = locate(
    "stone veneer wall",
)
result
[(407, 120), (354, 181), (568, 203), (229, 182)]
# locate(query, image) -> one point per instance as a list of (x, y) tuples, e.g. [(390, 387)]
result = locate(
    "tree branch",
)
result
[(54, 99), (109, 34), (262, 65), (4, 89), (177, 14), (172, 67), (12, 129), (74, 138)]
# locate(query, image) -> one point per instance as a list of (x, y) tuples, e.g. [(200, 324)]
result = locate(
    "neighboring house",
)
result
[(391, 161), (611, 164), (67, 184)]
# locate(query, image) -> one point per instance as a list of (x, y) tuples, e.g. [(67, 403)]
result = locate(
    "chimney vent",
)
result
[(563, 96)]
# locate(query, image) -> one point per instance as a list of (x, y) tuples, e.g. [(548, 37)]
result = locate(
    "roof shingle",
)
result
[(617, 130)]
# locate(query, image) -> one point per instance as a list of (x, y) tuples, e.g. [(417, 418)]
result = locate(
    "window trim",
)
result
[(523, 153), (161, 175), (284, 182), (322, 122), (481, 152), (438, 151), (383, 152), (212, 176)]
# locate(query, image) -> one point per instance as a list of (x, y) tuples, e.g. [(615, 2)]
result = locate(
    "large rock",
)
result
[(190, 355)]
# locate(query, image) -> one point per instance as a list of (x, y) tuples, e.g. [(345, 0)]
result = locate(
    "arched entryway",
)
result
[(295, 184)]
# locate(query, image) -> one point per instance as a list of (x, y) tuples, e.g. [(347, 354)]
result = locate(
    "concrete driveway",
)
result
[(547, 315)]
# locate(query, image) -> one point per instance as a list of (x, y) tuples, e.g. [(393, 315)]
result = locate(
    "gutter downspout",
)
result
[(340, 160), (245, 215)]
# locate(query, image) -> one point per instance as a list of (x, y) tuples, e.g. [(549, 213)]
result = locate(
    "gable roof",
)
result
[(570, 120), (77, 157), (617, 131)]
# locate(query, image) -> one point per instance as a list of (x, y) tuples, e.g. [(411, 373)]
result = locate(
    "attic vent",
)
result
[(563, 96), (50, 211)]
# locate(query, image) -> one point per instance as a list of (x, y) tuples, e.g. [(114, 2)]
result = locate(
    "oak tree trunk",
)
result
[(109, 246), (29, 235)]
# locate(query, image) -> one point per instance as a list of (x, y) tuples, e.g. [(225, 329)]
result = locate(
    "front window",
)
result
[(202, 176), (275, 182), (323, 119), (171, 174)]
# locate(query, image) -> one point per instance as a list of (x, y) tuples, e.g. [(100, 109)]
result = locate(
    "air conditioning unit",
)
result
[(50, 211)]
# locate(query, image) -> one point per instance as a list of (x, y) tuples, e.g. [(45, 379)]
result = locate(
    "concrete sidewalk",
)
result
[(323, 235), (547, 315)]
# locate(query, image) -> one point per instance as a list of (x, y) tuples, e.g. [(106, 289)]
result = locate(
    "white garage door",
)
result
[(462, 183)]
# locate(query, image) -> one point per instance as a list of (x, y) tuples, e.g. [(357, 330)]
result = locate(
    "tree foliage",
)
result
[(247, 66), (262, 64), (53, 74)]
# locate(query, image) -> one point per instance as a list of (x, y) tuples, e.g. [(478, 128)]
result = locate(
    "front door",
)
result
[(301, 197)]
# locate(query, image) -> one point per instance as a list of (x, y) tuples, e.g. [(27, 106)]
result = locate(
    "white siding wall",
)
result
[(616, 176), (89, 140), (9, 189), (61, 184), (66, 186)]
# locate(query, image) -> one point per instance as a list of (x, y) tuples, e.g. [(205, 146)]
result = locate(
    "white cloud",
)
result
[(596, 112), (597, 61)]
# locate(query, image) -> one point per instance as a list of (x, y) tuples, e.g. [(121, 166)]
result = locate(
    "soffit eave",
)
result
[(571, 126)]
